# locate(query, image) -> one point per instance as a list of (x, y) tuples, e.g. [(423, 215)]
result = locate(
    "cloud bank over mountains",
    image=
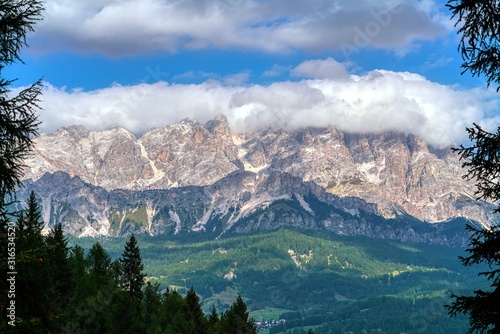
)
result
[(131, 27), (324, 94)]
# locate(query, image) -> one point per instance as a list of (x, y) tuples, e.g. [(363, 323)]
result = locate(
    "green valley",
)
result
[(313, 280)]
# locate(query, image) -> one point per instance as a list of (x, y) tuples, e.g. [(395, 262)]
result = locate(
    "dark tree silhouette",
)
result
[(480, 39), (195, 314), (18, 119), (483, 165), (132, 278), (479, 23), (236, 319)]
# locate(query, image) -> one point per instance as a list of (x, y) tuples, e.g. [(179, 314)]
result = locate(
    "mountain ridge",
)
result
[(398, 172), (242, 202)]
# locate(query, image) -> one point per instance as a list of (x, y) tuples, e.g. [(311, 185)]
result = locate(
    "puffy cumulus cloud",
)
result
[(135, 108), (139, 26), (321, 69), (370, 103)]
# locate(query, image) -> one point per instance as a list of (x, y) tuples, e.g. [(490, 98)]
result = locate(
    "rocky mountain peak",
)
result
[(417, 145), (74, 131), (397, 172), (219, 126)]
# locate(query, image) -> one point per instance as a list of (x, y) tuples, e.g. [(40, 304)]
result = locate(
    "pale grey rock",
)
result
[(398, 174), (241, 202)]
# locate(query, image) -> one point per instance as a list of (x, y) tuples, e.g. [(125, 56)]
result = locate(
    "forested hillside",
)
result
[(301, 279), (63, 289), (313, 280)]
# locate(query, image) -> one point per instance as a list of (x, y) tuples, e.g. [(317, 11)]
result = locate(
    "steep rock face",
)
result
[(111, 159), (397, 172), (189, 153), (241, 202)]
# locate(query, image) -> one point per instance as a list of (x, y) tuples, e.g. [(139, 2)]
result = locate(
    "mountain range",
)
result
[(203, 178)]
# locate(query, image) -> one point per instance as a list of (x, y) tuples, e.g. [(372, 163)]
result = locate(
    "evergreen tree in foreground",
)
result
[(483, 307), (18, 123), (32, 311), (195, 314), (479, 26), (132, 277), (482, 161), (236, 321), (59, 279), (18, 119), (30, 225)]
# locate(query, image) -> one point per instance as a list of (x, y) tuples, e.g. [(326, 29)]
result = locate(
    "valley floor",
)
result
[(312, 280)]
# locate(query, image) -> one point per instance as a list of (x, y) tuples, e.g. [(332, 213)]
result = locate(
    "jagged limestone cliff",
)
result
[(397, 172)]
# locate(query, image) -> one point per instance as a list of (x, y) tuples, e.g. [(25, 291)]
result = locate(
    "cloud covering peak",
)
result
[(329, 96)]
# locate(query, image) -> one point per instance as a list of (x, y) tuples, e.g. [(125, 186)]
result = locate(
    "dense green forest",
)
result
[(54, 288), (313, 280), (303, 280)]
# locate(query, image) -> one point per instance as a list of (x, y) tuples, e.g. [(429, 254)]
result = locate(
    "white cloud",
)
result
[(321, 69), (373, 102), (136, 108), (140, 26)]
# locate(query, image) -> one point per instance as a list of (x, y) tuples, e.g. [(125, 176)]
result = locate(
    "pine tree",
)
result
[(213, 322), (58, 280), (171, 304), (18, 119), (479, 24), (18, 122), (132, 277), (195, 313), (99, 264), (31, 259), (152, 303), (236, 321), (483, 307), (95, 294), (481, 160), (58, 252), (30, 226), (115, 270), (78, 271)]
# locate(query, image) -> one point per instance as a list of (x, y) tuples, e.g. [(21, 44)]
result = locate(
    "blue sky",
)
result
[(364, 65)]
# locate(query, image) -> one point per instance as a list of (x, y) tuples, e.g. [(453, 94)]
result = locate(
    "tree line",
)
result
[(59, 289), (47, 287)]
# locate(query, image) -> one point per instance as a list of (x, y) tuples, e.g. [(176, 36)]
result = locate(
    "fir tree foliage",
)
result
[(18, 113), (479, 26), (30, 224), (89, 299), (236, 319), (483, 307), (482, 161), (99, 261), (18, 120), (31, 261), (196, 317), (132, 277)]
